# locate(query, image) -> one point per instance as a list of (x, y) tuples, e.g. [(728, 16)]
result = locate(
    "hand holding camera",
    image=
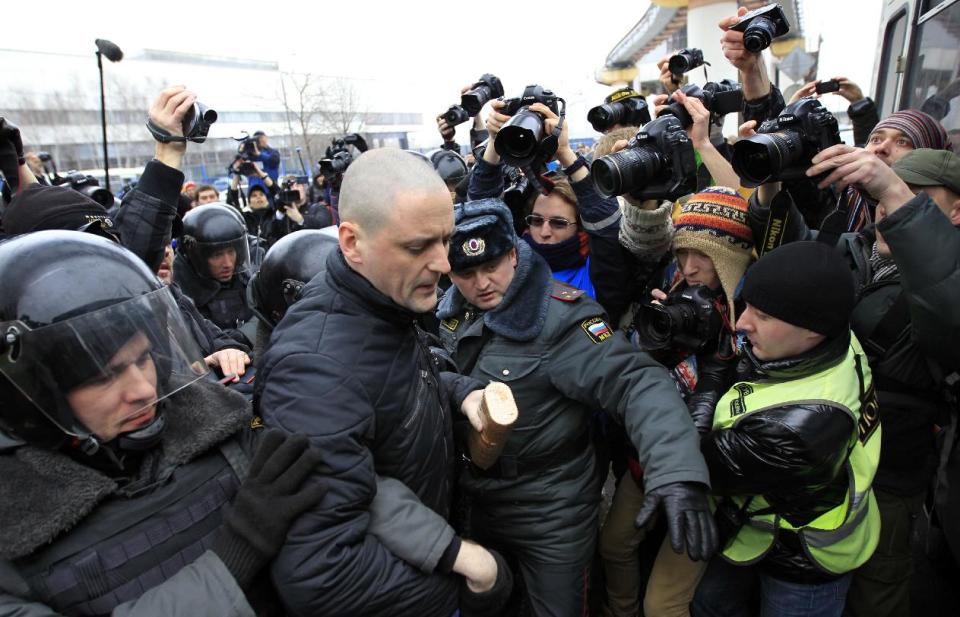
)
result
[(699, 130), (845, 166)]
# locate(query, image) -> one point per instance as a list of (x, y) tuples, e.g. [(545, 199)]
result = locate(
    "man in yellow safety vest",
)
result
[(794, 445)]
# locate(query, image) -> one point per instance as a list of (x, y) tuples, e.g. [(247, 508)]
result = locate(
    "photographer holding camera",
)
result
[(889, 139), (268, 217), (690, 329), (862, 110), (576, 257), (260, 151)]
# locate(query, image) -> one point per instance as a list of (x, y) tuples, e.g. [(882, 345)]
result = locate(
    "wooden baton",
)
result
[(499, 412)]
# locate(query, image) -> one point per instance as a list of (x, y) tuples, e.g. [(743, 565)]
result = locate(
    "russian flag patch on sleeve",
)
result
[(597, 329)]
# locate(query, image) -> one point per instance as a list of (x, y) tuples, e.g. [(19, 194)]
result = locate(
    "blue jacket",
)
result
[(271, 165)]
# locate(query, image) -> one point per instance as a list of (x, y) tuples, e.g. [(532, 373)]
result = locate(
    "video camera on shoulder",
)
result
[(761, 26), (720, 98), (783, 147), (487, 88), (523, 141), (687, 321), (625, 107), (86, 185), (658, 163), (338, 155)]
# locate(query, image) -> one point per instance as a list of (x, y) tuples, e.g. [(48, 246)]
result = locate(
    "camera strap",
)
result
[(777, 221), (163, 135), (834, 224)]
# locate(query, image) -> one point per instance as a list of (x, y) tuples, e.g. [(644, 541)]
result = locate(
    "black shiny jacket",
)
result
[(792, 455)]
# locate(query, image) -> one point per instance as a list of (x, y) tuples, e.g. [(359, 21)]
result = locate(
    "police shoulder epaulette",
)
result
[(564, 292)]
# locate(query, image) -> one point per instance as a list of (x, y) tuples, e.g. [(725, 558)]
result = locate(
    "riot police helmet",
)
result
[(289, 265), (91, 345), (210, 232)]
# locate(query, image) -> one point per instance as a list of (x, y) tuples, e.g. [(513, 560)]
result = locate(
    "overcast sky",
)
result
[(433, 47)]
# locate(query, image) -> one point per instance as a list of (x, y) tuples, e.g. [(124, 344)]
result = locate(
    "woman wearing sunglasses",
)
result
[(554, 231)]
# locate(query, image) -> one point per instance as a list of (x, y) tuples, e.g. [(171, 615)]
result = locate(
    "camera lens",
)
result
[(603, 117), (474, 100), (487, 88), (625, 171), (517, 141), (209, 116), (655, 327), (765, 157), (455, 115), (759, 35), (98, 194), (677, 110)]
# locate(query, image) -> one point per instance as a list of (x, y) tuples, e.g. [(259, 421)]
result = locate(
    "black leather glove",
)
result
[(270, 499), (714, 377), (689, 519), (489, 603), (11, 152)]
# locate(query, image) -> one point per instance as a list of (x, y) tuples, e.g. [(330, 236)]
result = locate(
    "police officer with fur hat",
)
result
[(507, 319), (211, 266)]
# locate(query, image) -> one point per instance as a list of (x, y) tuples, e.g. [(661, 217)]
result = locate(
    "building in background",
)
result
[(54, 97)]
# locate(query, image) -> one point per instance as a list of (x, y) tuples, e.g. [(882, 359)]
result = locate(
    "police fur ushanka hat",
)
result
[(484, 231)]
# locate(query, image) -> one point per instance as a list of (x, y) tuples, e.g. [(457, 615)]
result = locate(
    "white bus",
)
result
[(918, 62)]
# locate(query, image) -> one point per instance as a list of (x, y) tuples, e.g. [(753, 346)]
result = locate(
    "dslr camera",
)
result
[(486, 88), (522, 140), (687, 321), (338, 156), (658, 163), (761, 26), (86, 185), (720, 99), (783, 147), (625, 107), (685, 61)]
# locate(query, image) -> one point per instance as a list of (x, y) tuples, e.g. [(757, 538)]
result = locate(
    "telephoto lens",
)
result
[(517, 141), (487, 87), (685, 60), (621, 172), (783, 147), (659, 163), (625, 107)]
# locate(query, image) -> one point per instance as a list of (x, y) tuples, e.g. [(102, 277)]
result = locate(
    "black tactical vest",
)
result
[(131, 543)]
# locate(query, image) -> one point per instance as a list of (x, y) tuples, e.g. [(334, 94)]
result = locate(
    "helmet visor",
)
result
[(101, 371), (221, 260)]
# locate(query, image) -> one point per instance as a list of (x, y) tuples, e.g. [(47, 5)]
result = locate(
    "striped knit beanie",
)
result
[(921, 129), (714, 222)]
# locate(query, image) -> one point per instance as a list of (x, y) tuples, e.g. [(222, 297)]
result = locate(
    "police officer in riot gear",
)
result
[(119, 460), (211, 266)]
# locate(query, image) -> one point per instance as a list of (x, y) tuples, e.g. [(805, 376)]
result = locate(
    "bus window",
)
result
[(893, 39), (933, 77)]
